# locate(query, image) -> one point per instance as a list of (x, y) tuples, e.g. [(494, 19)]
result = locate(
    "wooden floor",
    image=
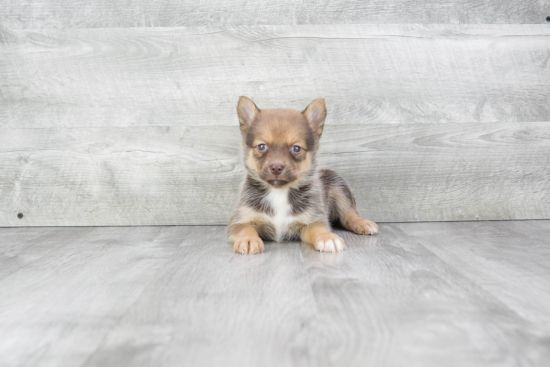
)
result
[(418, 294)]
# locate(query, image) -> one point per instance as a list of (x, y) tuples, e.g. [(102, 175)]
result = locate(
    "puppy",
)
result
[(284, 196)]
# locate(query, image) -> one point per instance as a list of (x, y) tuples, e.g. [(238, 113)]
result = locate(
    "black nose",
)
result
[(276, 168)]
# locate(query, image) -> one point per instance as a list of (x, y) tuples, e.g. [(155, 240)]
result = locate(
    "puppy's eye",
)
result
[(296, 149), (262, 147)]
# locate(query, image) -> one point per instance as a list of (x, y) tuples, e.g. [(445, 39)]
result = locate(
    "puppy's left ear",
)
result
[(315, 115)]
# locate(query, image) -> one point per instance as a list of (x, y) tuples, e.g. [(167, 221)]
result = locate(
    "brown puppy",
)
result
[(284, 196)]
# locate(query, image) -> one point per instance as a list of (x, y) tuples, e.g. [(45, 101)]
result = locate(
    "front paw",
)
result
[(248, 245), (364, 226), (329, 242)]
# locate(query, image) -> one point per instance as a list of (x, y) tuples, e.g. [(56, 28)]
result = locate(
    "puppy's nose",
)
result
[(276, 168)]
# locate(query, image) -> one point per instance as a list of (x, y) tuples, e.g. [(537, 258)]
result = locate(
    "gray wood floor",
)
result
[(419, 294)]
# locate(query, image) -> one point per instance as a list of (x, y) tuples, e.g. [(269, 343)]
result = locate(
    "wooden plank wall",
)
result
[(115, 114), (183, 13)]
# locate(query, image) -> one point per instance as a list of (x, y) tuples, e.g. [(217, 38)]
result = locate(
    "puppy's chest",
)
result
[(280, 217)]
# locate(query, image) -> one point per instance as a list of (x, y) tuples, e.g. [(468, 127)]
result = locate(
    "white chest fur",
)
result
[(281, 218)]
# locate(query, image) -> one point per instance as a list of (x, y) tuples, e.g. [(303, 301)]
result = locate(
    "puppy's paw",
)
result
[(364, 226), (248, 245), (329, 242)]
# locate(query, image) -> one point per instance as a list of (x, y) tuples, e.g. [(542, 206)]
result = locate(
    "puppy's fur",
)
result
[(284, 196)]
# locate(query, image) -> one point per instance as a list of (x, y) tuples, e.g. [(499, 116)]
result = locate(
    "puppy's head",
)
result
[(280, 144)]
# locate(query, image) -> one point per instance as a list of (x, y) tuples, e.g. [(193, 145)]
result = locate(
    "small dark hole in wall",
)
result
[(20, 215), (548, 19)]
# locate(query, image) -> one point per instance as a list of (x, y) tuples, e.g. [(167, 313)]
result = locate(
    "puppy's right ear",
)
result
[(248, 112)]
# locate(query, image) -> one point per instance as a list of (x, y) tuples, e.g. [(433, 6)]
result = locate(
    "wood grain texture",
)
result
[(267, 310), (509, 251), (138, 126), (169, 13), (394, 302), (21, 248), (369, 74), (418, 294), (191, 175), (78, 290)]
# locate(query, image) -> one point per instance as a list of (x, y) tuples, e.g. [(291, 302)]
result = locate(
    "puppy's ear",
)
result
[(315, 115), (248, 112)]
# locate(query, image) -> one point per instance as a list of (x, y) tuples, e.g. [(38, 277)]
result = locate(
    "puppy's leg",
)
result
[(319, 235), (245, 238), (354, 223), (342, 205)]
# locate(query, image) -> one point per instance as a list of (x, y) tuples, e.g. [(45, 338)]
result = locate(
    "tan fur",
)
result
[(318, 234), (246, 240), (283, 195), (354, 223)]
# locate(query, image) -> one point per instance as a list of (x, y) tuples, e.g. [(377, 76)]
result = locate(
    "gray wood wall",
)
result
[(118, 114)]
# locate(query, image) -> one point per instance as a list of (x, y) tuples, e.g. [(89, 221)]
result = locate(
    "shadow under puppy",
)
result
[(284, 196)]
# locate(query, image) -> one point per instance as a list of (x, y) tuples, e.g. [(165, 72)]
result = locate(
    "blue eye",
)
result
[(262, 147), (296, 149)]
